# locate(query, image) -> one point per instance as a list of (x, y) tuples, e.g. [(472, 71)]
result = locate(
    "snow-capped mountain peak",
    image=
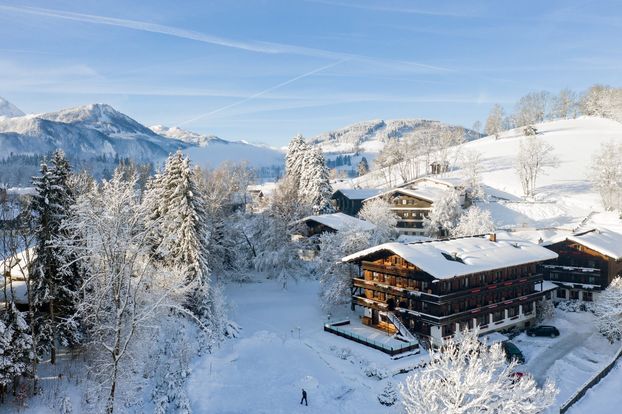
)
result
[(186, 136), (100, 117), (7, 109)]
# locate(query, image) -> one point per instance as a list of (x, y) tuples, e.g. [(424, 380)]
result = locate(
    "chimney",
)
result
[(492, 237)]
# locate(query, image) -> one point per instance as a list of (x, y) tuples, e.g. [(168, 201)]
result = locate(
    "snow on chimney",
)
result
[(492, 237)]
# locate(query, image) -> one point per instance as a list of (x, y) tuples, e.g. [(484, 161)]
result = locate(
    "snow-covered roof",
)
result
[(444, 259), (339, 222), (602, 240), (358, 193), (431, 194), (449, 182), (409, 238), (265, 188)]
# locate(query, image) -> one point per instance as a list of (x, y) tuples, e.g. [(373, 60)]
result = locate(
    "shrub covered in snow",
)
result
[(545, 310), (389, 395), (574, 305), (608, 310), (465, 377), (372, 371)]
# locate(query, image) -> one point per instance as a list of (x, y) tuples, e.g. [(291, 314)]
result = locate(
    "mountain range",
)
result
[(100, 131), (370, 136)]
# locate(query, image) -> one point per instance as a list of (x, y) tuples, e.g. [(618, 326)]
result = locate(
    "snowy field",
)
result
[(264, 369), (565, 196)]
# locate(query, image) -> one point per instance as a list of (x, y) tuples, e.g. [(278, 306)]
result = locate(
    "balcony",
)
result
[(428, 296), (382, 306)]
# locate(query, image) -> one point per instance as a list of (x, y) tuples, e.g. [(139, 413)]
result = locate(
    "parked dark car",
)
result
[(512, 352), (543, 330)]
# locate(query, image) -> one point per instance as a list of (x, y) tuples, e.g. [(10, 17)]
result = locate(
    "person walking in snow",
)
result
[(304, 397)]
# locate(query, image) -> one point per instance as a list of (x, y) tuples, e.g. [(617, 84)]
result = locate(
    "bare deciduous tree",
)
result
[(534, 156)]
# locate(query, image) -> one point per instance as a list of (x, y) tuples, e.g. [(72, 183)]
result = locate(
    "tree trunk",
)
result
[(52, 323)]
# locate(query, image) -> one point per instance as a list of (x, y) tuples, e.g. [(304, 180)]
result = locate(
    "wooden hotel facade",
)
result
[(434, 289)]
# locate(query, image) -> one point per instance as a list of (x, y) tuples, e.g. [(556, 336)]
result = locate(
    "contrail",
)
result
[(251, 46), (265, 91)]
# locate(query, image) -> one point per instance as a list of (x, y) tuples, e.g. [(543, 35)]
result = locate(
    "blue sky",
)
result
[(266, 70)]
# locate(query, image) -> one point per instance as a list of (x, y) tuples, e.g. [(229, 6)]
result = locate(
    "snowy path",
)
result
[(540, 365), (569, 360)]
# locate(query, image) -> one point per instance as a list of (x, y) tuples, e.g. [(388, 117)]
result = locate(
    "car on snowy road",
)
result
[(512, 352), (543, 330)]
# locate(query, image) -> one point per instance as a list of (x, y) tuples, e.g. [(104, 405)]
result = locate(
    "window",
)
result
[(588, 296), (404, 202), (574, 294), (498, 315)]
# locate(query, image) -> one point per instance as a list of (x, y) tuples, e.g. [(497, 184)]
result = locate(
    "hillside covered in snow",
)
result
[(565, 196), (371, 136)]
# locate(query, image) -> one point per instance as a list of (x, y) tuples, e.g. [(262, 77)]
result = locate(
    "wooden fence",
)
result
[(589, 384)]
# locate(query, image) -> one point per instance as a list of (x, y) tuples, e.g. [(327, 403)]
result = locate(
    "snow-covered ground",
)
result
[(565, 196), (570, 359), (283, 348), (263, 370), (604, 397)]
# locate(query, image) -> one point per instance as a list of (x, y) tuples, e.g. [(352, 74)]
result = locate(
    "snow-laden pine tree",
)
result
[(606, 174), (297, 150), (466, 377), (16, 353), (336, 276), (608, 310), (472, 222), (314, 187), (55, 279), (444, 215), (178, 214), (389, 395), (177, 206), (363, 167), (378, 212)]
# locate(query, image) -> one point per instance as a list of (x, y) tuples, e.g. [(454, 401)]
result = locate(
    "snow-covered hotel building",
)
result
[(588, 261), (433, 289), (412, 202)]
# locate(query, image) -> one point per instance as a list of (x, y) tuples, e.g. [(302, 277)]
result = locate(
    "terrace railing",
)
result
[(336, 328)]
